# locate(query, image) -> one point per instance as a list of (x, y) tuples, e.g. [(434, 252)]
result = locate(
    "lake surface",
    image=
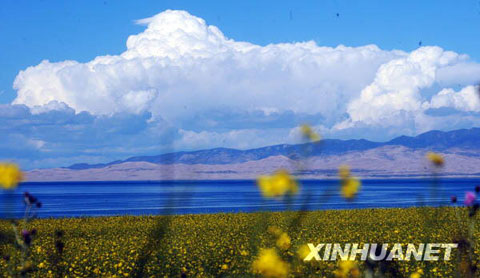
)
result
[(67, 199)]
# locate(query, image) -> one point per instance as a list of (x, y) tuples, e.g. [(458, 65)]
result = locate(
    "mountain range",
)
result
[(403, 156)]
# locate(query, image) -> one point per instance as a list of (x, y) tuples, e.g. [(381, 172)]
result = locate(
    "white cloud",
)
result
[(241, 139), (398, 96), (466, 99), (464, 72), (177, 34), (182, 62), (397, 86), (51, 106), (188, 75)]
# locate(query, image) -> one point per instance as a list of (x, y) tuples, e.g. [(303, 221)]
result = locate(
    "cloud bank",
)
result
[(184, 82)]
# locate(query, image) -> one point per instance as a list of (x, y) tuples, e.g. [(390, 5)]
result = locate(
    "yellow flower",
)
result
[(350, 185), (283, 241), (10, 175), (417, 274), (309, 134), (303, 251), (436, 159), (347, 269), (224, 267), (274, 230), (344, 171), (270, 265), (26, 267), (278, 184)]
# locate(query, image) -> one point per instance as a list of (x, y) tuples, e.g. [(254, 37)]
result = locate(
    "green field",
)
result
[(225, 245)]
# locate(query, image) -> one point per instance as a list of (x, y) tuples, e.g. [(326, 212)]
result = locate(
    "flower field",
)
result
[(227, 245)]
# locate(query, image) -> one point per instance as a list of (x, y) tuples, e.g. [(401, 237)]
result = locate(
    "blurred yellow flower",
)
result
[(347, 269), (417, 274), (435, 158), (350, 185), (10, 175), (278, 184), (274, 230), (270, 265), (344, 171), (309, 134), (303, 251), (283, 241)]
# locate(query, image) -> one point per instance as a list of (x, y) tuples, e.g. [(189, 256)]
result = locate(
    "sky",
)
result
[(95, 81)]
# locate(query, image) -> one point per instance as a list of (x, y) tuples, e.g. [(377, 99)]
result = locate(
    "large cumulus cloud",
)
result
[(179, 67), (210, 90)]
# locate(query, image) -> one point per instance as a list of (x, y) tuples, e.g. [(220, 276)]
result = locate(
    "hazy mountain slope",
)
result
[(401, 157), (439, 140), (465, 139), (381, 162)]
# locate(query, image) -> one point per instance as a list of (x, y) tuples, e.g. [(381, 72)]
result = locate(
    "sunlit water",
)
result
[(66, 199)]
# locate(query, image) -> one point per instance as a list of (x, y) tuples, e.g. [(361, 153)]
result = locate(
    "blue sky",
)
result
[(353, 69)]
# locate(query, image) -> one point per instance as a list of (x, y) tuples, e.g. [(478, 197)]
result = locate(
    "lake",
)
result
[(69, 199)]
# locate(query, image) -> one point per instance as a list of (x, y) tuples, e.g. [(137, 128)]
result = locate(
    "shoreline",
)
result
[(203, 214), (327, 178)]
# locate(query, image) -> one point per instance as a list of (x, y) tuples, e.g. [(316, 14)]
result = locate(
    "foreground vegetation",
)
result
[(226, 245)]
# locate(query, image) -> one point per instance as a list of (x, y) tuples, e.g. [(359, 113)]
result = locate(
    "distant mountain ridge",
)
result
[(432, 140)]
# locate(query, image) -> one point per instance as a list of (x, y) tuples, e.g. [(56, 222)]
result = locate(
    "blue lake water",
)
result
[(67, 199)]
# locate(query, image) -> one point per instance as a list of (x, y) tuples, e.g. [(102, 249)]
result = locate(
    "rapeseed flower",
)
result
[(277, 185), (417, 274), (350, 187), (344, 171), (270, 265), (10, 175), (283, 241), (274, 230), (347, 269), (350, 184), (206, 244), (309, 134), (303, 251), (436, 159)]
